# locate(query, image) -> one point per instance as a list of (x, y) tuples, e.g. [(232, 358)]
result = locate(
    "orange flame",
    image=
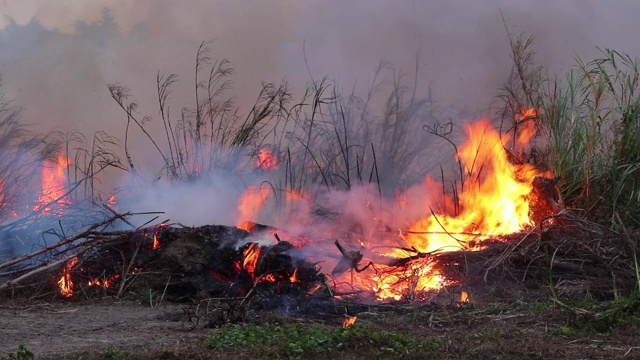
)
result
[(251, 255), (250, 204), (349, 321), (266, 160), (65, 284), (54, 180), (493, 200), (464, 297), (156, 243), (294, 277), (526, 118)]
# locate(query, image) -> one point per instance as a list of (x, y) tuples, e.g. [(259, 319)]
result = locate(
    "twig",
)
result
[(121, 217), (124, 274), (57, 245)]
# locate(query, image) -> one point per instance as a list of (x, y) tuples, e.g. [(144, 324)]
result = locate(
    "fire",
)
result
[(65, 284), (464, 297), (266, 160), (251, 255), (493, 200), (294, 276), (156, 243), (105, 282), (54, 181), (250, 204), (349, 321), (526, 133)]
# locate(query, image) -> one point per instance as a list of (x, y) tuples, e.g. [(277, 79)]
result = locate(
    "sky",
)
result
[(57, 57)]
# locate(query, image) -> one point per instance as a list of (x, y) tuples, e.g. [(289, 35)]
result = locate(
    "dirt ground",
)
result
[(72, 330), (66, 327)]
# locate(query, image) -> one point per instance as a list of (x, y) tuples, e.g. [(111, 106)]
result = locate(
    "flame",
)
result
[(251, 255), (65, 284), (294, 277), (526, 117), (156, 243), (247, 225), (266, 160), (493, 200), (250, 204), (349, 321), (464, 297), (54, 180)]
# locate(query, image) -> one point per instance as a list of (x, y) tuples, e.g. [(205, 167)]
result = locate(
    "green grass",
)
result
[(604, 317), (21, 354), (301, 341), (588, 122)]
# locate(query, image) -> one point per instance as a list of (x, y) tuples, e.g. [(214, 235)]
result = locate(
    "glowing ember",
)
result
[(65, 284), (266, 160), (250, 204), (54, 182), (103, 282), (349, 321)]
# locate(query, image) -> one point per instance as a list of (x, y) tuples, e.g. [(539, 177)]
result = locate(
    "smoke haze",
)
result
[(58, 57)]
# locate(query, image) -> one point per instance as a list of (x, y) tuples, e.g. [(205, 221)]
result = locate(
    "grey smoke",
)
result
[(57, 57)]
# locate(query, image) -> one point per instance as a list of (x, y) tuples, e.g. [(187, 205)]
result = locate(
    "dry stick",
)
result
[(632, 245), (56, 245), (39, 270), (124, 275), (121, 217), (256, 283)]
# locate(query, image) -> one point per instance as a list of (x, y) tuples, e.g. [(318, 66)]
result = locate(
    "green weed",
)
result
[(300, 341), (22, 354)]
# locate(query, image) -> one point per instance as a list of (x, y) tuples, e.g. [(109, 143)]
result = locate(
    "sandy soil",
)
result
[(64, 328), (72, 330)]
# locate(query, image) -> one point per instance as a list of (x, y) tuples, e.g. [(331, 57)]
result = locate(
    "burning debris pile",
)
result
[(184, 263), (503, 227)]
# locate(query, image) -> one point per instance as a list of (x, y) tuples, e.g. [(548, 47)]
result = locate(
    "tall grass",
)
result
[(210, 135), (324, 138), (589, 123), (20, 157)]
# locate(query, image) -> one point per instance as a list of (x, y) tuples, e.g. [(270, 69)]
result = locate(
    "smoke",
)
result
[(58, 58)]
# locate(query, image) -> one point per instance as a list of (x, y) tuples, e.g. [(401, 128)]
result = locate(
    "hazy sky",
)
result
[(58, 56)]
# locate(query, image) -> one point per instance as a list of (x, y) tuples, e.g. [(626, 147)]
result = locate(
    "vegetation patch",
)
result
[(301, 341)]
